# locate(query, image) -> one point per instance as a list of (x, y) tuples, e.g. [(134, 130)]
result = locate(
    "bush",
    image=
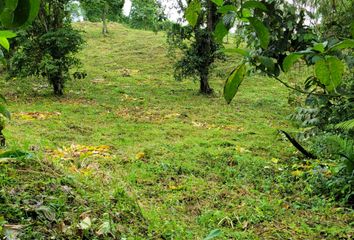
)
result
[(47, 48)]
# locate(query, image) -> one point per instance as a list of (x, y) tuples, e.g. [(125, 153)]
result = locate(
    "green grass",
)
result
[(180, 164)]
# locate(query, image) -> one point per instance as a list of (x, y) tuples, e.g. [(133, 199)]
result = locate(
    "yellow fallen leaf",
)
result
[(140, 156), (241, 149), (297, 173), (275, 160)]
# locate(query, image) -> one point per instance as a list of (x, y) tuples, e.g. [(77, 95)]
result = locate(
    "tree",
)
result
[(279, 38), (103, 10), (197, 42), (13, 16), (334, 16), (46, 48), (146, 14)]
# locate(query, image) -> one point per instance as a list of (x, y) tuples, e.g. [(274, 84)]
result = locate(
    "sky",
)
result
[(171, 12)]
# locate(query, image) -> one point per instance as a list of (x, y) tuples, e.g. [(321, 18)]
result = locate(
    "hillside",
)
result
[(130, 153)]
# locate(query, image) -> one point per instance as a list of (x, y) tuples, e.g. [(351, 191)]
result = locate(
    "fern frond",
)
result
[(346, 126)]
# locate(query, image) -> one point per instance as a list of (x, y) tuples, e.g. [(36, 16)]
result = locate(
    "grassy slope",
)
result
[(191, 163)]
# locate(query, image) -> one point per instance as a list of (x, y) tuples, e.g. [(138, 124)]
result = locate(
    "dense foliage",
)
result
[(146, 14), (47, 47), (103, 10), (196, 42), (282, 38)]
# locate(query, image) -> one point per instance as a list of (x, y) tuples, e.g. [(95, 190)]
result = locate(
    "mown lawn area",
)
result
[(130, 153)]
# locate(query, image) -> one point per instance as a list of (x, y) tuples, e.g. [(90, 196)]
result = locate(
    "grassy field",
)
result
[(129, 153)]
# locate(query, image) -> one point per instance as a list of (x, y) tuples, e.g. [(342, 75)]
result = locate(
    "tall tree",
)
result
[(197, 42), (47, 47), (103, 10), (146, 14), (335, 16)]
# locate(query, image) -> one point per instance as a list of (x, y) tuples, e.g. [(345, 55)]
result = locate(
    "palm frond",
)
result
[(346, 126)]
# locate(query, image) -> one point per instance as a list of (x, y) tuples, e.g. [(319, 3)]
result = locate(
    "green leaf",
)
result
[(267, 62), (261, 31), (254, 4), (213, 234), (21, 13), (227, 8), (290, 60), (192, 12), (348, 43), (346, 126), (352, 29), (220, 31), (17, 13), (319, 47), (5, 112), (5, 43), (35, 5), (243, 52), (14, 154), (233, 82), (7, 34), (2, 98), (7, 15), (246, 13), (329, 71), (218, 2)]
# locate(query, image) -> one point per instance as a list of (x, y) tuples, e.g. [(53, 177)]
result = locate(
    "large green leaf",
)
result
[(22, 12), (290, 60), (213, 234), (233, 82), (7, 15), (261, 31), (5, 43), (4, 35), (7, 34), (35, 5), (227, 8), (220, 31), (348, 43), (218, 2), (319, 47), (17, 13), (192, 12), (14, 154), (254, 4), (330, 71), (352, 29)]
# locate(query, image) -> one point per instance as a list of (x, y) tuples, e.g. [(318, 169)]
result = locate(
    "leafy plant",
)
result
[(280, 40), (196, 42), (103, 10), (47, 47), (146, 14), (13, 14)]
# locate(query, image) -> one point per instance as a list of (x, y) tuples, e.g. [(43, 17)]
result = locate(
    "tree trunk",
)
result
[(2, 139), (104, 19), (206, 49), (204, 82), (58, 85)]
